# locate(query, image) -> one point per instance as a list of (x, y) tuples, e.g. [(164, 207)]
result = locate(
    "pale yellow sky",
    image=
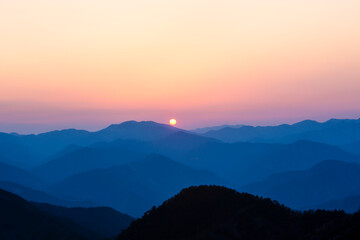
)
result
[(198, 59)]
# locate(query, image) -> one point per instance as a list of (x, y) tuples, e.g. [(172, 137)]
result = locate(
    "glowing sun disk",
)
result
[(172, 121)]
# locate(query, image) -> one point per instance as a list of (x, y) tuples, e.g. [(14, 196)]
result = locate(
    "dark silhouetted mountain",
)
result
[(334, 131), (217, 213), (19, 219), (134, 187), (17, 175), (104, 221), (85, 159), (349, 204), (325, 181), (40, 196), (243, 163)]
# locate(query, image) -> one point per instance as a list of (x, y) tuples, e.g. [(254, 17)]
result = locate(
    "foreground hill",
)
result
[(217, 213), (328, 180), (20, 219), (334, 131), (33, 195), (104, 221), (135, 187)]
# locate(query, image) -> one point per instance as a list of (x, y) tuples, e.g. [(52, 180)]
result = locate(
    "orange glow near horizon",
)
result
[(92, 62)]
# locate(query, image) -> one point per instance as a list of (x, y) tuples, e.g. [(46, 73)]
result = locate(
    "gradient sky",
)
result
[(89, 63)]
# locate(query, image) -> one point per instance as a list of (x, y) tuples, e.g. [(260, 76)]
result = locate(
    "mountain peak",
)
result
[(306, 123), (133, 123), (144, 130)]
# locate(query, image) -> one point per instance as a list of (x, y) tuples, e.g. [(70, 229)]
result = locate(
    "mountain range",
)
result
[(333, 131), (203, 212), (239, 163), (312, 187), (33, 150), (85, 159), (134, 166), (243, 163), (135, 187)]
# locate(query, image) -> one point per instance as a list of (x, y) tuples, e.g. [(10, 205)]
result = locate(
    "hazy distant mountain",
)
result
[(243, 163), (135, 187), (65, 151), (251, 133), (104, 221), (240, 163), (45, 145), (14, 152), (349, 204), (174, 146), (85, 159), (19, 219), (182, 141), (207, 129), (145, 131), (17, 175), (325, 181), (334, 131), (33, 150), (40, 196), (353, 147), (178, 144), (217, 213)]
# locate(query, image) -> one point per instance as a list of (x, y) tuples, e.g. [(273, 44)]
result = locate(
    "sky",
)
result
[(90, 63)]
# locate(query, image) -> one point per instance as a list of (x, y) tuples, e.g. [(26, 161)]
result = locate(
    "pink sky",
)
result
[(90, 63)]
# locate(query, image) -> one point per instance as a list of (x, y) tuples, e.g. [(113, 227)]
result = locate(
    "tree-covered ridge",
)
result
[(212, 212)]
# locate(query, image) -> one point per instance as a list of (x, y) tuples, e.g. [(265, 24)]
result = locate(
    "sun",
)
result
[(172, 121)]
